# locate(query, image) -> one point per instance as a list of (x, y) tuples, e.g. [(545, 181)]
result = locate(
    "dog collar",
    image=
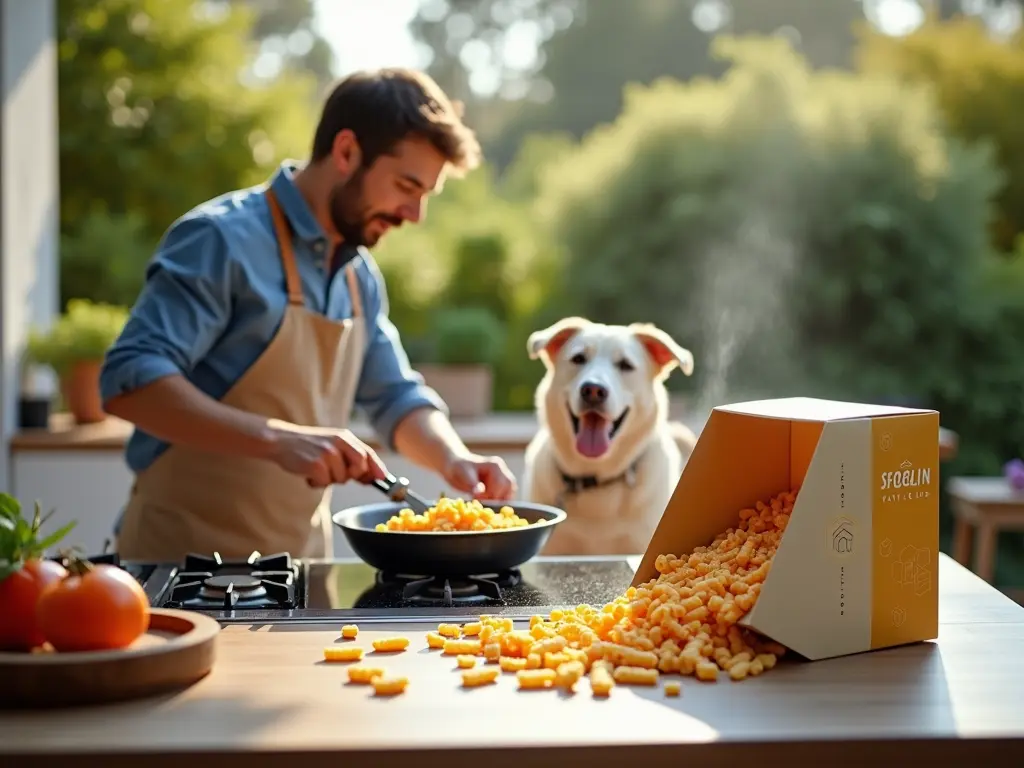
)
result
[(578, 483)]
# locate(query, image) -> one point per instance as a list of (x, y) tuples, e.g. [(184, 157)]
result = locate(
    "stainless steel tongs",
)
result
[(397, 489)]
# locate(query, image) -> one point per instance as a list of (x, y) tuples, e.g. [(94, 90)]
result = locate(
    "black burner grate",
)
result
[(211, 582)]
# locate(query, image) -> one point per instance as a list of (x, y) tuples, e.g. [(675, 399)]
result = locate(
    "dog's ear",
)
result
[(663, 349), (551, 339)]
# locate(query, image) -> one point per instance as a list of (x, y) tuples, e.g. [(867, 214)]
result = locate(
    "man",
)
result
[(263, 320)]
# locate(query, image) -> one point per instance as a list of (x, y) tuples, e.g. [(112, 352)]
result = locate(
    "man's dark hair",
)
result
[(385, 106)]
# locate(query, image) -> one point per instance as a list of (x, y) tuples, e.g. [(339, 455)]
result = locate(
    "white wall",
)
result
[(28, 191)]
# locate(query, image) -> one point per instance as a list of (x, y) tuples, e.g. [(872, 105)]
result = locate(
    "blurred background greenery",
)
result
[(815, 197)]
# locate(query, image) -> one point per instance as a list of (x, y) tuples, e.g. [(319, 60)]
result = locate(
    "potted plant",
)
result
[(74, 348), (468, 343)]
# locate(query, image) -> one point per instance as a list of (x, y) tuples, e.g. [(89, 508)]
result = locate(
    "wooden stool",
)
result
[(983, 506)]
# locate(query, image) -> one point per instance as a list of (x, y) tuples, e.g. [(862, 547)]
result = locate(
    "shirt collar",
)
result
[(299, 215)]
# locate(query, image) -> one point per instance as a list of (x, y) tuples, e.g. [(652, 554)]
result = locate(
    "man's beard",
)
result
[(349, 213)]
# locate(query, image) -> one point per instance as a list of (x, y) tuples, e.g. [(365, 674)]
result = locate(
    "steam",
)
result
[(746, 289)]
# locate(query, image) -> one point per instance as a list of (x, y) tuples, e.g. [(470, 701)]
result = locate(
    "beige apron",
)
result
[(191, 501)]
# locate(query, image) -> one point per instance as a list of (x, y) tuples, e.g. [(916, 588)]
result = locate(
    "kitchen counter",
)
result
[(272, 701)]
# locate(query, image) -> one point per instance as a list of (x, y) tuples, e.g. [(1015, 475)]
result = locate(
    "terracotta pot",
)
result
[(468, 390), (81, 390)]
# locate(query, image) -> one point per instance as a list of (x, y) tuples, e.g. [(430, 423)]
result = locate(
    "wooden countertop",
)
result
[(493, 433), (271, 701)]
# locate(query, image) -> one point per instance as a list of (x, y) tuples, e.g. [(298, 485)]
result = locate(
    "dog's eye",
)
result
[(578, 359), (625, 366)]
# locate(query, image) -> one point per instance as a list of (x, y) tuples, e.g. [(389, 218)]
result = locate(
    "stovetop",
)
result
[(280, 588)]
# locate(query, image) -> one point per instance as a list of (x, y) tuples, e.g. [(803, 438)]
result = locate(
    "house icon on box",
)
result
[(842, 537)]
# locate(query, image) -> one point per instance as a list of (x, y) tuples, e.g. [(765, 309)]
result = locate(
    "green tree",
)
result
[(979, 83), (156, 117), (802, 232), (286, 32)]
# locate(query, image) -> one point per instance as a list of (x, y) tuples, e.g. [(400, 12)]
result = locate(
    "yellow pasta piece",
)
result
[(549, 645), (512, 663), (364, 675), (707, 671), (466, 662), (472, 628), (449, 630), (390, 644), (342, 653), (389, 686), (554, 660), (349, 631), (492, 651), (601, 681), (568, 674), (535, 678), (435, 640), (456, 647), (635, 676), (479, 676), (739, 670), (673, 687)]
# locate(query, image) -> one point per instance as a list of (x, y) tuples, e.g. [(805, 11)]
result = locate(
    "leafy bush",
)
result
[(467, 336), (83, 334), (157, 114), (104, 260), (978, 81), (479, 275)]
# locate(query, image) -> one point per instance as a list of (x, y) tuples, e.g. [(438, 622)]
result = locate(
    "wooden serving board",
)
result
[(177, 650)]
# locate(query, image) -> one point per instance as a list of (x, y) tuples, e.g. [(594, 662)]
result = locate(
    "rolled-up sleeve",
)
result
[(182, 309), (389, 389)]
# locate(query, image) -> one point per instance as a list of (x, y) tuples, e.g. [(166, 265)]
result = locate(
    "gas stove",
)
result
[(280, 588)]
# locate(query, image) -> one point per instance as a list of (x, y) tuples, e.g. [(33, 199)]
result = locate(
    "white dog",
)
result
[(606, 452)]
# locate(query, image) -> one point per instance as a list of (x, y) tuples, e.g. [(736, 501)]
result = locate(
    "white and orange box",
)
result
[(857, 566)]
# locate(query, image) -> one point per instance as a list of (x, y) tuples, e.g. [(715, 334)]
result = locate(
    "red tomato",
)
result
[(102, 609), (19, 593)]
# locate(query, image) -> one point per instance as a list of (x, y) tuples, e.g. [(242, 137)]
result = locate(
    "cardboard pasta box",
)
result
[(857, 568)]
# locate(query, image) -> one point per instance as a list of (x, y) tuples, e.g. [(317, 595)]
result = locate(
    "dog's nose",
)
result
[(593, 394)]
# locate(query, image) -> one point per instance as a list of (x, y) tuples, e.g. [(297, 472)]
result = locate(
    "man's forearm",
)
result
[(173, 410), (427, 438)]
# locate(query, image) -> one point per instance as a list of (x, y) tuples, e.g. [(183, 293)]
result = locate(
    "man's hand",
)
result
[(324, 456), (485, 477)]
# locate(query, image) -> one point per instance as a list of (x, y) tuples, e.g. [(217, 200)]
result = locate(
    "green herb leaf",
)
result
[(20, 538), (9, 507), (45, 517), (54, 537)]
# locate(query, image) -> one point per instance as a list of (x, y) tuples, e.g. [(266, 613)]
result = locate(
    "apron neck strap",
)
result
[(283, 234), (353, 290)]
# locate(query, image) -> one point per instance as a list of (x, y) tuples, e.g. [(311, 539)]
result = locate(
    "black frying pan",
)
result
[(459, 553)]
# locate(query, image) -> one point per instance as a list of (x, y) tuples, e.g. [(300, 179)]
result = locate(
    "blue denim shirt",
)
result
[(214, 297)]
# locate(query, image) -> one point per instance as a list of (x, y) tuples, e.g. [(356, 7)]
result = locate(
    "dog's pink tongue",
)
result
[(594, 436)]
